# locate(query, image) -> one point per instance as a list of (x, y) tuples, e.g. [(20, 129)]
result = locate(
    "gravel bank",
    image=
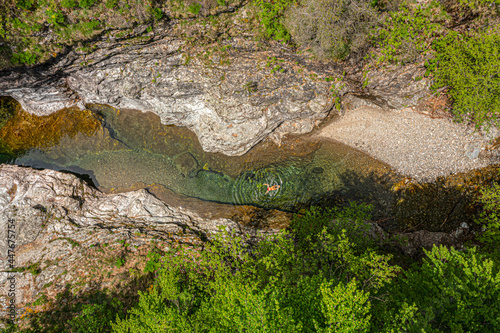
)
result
[(414, 144)]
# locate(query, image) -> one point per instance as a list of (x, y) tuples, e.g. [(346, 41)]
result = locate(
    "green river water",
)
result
[(124, 149)]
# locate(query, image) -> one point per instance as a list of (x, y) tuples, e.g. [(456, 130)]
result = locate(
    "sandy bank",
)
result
[(414, 144)]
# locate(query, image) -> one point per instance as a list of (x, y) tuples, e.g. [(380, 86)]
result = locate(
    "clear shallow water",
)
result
[(124, 149)]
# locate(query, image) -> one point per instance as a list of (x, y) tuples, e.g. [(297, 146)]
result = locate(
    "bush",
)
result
[(274, 286), (484, 9), (25, 4), (97, 317), (68, 3), (490, 217), (157, 14), (453, 291), (87, 28), (110, 4), (408, 32), (86, 3), (55, 17), (468, 65), (194, 8), (306, 227), (27, 58), (271, 17), (332, 28)]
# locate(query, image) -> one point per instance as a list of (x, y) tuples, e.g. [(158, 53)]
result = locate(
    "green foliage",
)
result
[(41, 300), (468, 65), (345, 308), (26, 57), (87, 28), (25, 27), (332, 28), (119, 262), (271, 17), (457, 291), (490, 217), (86, 3), (25, 4), (275, 286), (95, 318), (194, 8), (154, 261), (68, 3), (407, 32), (110, 4), (157, 14), (83, 29), (352, 218), (55, 17)]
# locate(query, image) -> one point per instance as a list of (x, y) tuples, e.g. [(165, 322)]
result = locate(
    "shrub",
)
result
[(332, 28), (157, 14), (490, 217), (96, 317), (25, 4), (55, 17), (119, 262), (274, 286), (194, 8), (306, 227), (271, 16), (87, 28), (408, 32), (454, 291), (345, 307), (27, 58), (68, 3), (86, 3), (110, 4), (468, 65)]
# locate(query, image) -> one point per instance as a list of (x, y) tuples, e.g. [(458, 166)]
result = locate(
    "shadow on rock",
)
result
[(91, 311)]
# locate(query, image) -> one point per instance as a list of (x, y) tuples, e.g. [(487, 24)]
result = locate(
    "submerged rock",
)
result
[(186, 164)]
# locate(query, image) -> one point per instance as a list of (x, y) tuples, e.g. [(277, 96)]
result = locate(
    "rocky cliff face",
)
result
[(232, 94)]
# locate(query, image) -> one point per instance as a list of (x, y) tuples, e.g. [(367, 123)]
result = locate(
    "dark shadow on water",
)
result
[(400, 204), (87, 175), (373, 189), (444, 204)]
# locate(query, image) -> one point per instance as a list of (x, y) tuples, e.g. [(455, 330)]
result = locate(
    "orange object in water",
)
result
[(271, 188)]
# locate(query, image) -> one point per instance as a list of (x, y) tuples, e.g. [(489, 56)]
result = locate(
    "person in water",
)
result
[(271, 188)]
